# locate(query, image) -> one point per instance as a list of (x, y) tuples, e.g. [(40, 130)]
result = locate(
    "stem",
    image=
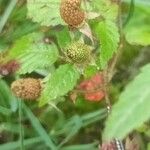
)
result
[(21, 129), (7, 13), (114, 62)]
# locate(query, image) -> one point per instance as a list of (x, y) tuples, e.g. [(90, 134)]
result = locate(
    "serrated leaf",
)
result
[(60, 83), (107, 33), (106, 9), (63, 37), (39, 56), (132, 109), (32, 53), (45, 12), (21, 45)]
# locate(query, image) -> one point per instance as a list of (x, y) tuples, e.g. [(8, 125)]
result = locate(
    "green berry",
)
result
[(78, 52)]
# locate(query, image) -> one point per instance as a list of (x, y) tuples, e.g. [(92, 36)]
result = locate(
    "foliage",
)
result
[(107, 33), (136, 102), (34, 36), (136, 31), (58, 84), (45, 12)]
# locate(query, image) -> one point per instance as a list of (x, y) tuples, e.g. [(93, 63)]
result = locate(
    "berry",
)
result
[(28, 88), (71, 12), (78, 52), (93, 88), (94, 96)]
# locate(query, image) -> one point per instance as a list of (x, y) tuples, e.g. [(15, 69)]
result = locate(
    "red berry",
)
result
[(95, 96), (97, 79), (92, 88)]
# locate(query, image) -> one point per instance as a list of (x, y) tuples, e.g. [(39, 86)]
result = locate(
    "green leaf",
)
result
[(38, 127), (132, 109), (92, 146), (90, 71), (106, 9), (63, 37), (60, 83), (32, 53), (16, 145), (22, 45), (38, 57), (137, 31), (5, 111), (7, 100), (107, 33), (45, 12)]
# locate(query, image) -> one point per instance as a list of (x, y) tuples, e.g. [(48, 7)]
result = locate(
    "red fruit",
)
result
[(91, 88), (95, 96), (86, 85), (97, 79)]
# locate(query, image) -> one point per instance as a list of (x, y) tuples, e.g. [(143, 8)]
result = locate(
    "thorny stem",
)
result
[(110, 71)]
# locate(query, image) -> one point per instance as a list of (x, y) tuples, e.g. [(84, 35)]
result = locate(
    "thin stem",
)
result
[(21, 129), (7, 13)]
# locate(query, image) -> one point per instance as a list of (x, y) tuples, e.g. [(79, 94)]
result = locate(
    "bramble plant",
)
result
[(81, 50)]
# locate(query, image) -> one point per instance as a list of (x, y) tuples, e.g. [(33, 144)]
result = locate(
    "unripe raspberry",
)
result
[(28, 88), (71, 12), (78, 52)]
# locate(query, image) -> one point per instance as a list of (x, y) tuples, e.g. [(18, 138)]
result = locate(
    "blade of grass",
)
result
[(7, 13), (16, 145), (6, 97), (76, 123), (38, 127), (93, 146), (21, 129), (5, 111)]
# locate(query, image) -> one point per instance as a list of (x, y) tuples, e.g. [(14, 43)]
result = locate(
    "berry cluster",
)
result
[(78, 52), (92, 89), (71, 12), (28, 89)]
